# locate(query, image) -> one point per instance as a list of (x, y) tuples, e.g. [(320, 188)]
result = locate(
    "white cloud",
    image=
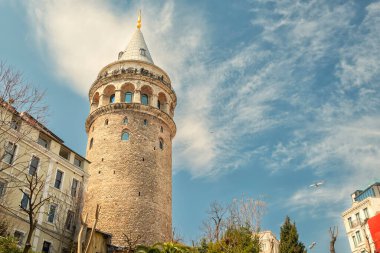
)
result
[(269, 83)]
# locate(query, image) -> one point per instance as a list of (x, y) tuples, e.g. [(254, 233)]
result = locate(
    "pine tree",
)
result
[(289, 242)]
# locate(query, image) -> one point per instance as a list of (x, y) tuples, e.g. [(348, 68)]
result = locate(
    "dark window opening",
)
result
[(64, 153), (46, 247), (34, 165), (74, 187), (51, 215), (58, 179), (142, 52), (112, 98), (24, 201), (9, 153)]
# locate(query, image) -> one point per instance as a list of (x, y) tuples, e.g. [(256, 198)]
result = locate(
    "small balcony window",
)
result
[(64, 153), (78, 162), (43, 140)]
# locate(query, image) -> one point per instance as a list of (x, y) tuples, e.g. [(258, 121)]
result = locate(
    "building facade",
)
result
[(37, 167), (365, 205), (268, 242), (130, 130)]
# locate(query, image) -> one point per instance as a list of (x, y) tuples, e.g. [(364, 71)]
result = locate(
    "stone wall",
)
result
[(131, 180)]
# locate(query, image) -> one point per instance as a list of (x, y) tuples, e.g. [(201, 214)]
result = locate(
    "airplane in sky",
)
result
[(312, 245), (317, 184)]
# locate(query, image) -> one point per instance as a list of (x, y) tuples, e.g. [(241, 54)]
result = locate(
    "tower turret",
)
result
[(130, 130)]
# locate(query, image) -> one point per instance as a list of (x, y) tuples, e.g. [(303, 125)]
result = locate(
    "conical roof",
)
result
[(137, 49)]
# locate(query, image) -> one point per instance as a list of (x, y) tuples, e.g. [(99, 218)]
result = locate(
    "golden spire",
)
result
[(139, 20)]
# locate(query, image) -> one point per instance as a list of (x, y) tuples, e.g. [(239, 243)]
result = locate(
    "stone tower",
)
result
[(130, 130)]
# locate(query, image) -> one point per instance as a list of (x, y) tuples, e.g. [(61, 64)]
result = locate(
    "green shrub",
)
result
[(9, 245)]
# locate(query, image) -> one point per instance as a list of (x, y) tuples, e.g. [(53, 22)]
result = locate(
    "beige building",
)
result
[(268, 242), (36, 165), (365, 204), (130, 131)]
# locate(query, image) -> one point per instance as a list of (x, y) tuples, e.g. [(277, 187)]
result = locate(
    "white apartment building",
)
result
[(365, 204), (28, 150), (268, 242)]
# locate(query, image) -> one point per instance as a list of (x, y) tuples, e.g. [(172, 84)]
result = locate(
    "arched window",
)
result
[(158, 104), (125, 121), (128, 97), (91, 142), (106, 122), (162, 129), (161, 144), (145, 122), (144, 99), (112, 98), (125, 136)]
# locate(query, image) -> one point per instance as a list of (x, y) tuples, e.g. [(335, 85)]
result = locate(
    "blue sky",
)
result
[(272, 95)]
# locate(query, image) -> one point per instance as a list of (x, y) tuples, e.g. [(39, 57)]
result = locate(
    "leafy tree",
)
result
[(236, 240), (9, 245), (289, 242)]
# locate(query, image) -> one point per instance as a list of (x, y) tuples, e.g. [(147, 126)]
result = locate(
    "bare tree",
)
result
[(213, 226), (67, 213), (132, 242), (83, 225), (246, 212), (176, 236), (333, 236), (19, 102), (33, 200)]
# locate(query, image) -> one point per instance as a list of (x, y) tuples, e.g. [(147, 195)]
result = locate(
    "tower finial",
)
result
[(139, 20)]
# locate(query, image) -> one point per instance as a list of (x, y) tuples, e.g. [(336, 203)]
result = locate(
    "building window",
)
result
[(125, 121), (58, 179), (350, 222), (16, 123), (354, 240), (52, 211), (64, 153), (2, 188), (162, 129), (358, 236), (46, 247), (78, 162), (112, 98), (142, 52), (9, 153), (106, 122), (357, 216), (33, 166), (24, 201), (69, 220), (19, 236), (161, 144), (144, 99), (43, 141), (145, 122), (125, 136), (74, 187), (128, 97), (91, 142), (158, 104), (365, 211)]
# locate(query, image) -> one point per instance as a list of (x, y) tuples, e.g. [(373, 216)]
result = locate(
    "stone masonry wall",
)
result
[(131, 180)]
